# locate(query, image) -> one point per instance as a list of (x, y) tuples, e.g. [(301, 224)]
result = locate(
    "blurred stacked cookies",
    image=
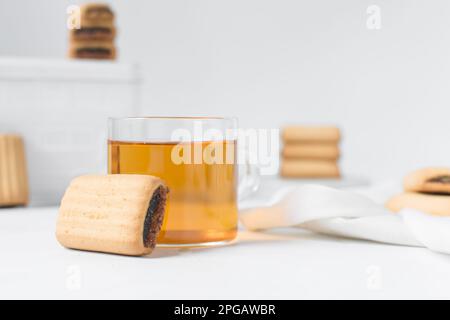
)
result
[(13, 173), (310, 152), (95, 37)]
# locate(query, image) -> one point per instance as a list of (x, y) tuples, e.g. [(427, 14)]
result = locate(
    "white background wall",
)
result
[(273, 62)]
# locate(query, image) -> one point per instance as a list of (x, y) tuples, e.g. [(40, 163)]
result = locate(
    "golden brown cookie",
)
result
[(92, 24), (428, 180), (92, 50), (326, 151), (13, 171), (95, 13), (119, 213), (438, 205), (309, 169), (93, 33), (297, 134)]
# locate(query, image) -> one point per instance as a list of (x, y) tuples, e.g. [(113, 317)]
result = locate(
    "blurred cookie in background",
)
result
[(92, 50), (434, 204), (96, 13), (301, 168), (13, 171), (93, 33), (311, 134), (428, 180), (328, 151), (426, 190)]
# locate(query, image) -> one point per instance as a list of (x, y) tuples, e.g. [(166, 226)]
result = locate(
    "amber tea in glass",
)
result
[(201, 174)]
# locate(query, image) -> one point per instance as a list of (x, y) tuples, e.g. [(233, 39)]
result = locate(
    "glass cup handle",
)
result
[(249, 176)]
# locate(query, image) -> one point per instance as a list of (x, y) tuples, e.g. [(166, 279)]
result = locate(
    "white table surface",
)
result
[(290, 264)]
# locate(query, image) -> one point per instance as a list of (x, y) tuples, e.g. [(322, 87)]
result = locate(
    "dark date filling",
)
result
[(154, 218), (92, 31), (93, 51), (440, 179)]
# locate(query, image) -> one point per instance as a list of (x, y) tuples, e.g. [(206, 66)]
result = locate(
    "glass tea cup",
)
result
[(197, 158)]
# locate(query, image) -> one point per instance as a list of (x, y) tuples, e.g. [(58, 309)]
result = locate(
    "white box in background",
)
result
[(61, 109)]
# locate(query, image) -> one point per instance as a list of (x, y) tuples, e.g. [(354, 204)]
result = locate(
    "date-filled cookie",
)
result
[(324, 151), (434, 204), (92, 50), (309, 169), (428, 180), (119, 214), (95, 14), (102, 33), (298, 134)]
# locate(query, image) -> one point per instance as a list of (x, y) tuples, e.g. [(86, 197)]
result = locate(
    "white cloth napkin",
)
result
[(348, 214)]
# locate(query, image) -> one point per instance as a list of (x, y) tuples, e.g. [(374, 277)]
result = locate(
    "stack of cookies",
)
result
[(310, 152), (426, 190), (95, 37)]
